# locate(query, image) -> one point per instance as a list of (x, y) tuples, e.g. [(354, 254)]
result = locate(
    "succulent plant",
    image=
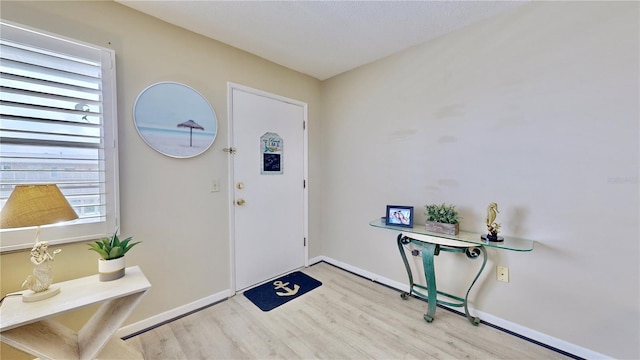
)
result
[(112, 248), (443, 213)]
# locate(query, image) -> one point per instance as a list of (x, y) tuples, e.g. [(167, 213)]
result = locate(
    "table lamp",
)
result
[(37, 205)]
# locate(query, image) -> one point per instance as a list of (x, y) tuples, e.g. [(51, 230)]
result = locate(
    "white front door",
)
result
[(268, 185)]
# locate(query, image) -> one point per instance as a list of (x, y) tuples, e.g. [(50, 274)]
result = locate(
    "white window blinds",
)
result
[(58, 125)]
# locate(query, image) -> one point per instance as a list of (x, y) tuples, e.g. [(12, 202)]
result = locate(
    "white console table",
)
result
[(30, 327)]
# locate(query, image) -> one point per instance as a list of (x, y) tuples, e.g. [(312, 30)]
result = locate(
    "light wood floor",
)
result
[(348, 317)]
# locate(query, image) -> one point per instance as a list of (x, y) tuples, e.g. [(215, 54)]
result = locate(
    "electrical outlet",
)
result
[(502, 273), (215, 185)]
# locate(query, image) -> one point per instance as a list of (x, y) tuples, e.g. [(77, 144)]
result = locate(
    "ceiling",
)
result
[(321, 38)]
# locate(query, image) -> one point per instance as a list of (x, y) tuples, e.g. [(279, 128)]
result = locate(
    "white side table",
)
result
[(29, 327)]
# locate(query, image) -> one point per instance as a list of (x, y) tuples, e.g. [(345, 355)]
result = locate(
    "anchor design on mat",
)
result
[(288, 291)]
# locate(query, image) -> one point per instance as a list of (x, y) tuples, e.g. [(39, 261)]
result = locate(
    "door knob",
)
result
[(240, 202)]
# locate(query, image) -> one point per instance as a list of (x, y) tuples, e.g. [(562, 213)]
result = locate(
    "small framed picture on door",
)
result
[(272, 147)]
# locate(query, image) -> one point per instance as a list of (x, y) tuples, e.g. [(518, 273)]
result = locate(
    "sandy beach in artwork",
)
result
[(176, 142)]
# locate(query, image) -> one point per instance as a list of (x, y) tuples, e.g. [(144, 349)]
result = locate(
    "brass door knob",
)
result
[(240, 202)]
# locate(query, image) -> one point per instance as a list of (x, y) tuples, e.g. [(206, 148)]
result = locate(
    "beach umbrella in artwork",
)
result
[(191, 125)]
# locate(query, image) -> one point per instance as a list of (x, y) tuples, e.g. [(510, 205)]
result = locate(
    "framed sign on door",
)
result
[(272, 147)]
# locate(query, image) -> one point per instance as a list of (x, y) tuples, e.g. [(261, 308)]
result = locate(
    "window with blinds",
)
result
[(58, 125)]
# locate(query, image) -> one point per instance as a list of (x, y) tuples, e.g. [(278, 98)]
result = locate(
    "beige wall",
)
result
[(537, 110), (166, 202)]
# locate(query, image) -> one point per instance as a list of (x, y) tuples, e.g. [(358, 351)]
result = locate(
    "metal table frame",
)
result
[(429, 250), (431, 244)]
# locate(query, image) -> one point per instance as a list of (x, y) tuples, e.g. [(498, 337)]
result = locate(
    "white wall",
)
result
[(537, 110)]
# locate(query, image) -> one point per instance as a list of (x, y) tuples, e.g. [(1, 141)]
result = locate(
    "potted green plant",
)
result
[(442, 219), (111, 263)]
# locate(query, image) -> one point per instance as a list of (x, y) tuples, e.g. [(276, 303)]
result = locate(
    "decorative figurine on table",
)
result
[(492, 226), (42, 276)]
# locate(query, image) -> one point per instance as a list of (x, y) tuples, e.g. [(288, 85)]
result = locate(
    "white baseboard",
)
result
[(491, 319), (172, 314), (365, 274)]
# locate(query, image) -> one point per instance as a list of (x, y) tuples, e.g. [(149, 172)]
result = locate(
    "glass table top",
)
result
[(463, 237)]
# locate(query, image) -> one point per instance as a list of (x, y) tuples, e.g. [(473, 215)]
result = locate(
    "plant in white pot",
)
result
[(111, 263), (442, 219)]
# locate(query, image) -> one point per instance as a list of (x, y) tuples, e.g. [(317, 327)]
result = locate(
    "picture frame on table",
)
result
[(399, 215)]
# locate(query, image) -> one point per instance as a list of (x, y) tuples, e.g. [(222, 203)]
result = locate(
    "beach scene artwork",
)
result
[(175, 120)]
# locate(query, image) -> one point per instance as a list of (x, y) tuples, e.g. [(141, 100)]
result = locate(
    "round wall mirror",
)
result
[(175, 120)]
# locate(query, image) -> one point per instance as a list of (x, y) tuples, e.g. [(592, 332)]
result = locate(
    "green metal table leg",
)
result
[(428, 252), (473, 253), (402, 241)]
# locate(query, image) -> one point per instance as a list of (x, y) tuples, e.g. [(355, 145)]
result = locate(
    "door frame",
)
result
[(231, 166)]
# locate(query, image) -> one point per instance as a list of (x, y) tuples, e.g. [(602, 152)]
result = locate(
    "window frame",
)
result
[(24, 238)]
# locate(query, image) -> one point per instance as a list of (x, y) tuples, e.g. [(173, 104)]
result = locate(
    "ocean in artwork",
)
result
[(177, 142)]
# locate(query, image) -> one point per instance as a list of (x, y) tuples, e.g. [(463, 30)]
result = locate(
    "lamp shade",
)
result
[(35, 205)]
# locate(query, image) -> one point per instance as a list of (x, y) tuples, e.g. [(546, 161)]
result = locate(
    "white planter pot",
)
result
[(111, 269)]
